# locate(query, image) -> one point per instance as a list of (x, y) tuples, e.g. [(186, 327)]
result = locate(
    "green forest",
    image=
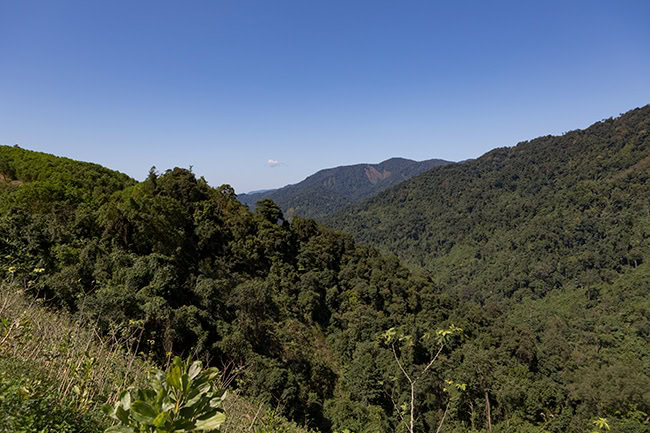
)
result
[(332, 189), (504, 294)]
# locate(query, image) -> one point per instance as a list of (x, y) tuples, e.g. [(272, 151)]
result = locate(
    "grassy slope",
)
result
[(55, 373)]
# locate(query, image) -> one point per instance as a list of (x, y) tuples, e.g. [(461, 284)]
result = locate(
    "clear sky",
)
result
[(227, 86)]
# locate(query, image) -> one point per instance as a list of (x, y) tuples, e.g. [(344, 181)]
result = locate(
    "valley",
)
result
[(332, 189), (514, 287)]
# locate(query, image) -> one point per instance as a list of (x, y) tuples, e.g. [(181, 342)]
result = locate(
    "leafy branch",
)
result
[(185, 399), (442, 337)]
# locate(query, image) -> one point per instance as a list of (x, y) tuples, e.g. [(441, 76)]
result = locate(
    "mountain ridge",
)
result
[(510, 193), (331, 189), (539, 253)]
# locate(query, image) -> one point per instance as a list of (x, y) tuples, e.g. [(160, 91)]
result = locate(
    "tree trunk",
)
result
[(487, 409), (471, 417), (412, 407)]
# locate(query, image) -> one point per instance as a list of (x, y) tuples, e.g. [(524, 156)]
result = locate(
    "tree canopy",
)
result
[(538, 253)]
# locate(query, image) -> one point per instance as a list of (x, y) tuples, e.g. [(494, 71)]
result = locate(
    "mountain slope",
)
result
[(43, 179), (540, 215), (551, 291), (332, 189), (191, 270)]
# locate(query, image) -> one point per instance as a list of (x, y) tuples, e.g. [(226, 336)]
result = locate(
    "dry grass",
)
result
[(245, 416), (87, 368)]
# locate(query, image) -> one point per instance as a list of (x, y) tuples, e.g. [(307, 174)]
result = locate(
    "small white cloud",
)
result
[(272, 163)]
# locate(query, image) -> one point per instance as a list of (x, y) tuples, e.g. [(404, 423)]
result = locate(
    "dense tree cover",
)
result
[(544, 247), (550, 290), (51, 181), (299, 306), (332, 189), (526, 219)]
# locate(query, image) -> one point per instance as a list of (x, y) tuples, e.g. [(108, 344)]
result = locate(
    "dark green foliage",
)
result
[(199, 273), (523, 220), (330, 190), (46, 180), (542, 250), (539, 253)]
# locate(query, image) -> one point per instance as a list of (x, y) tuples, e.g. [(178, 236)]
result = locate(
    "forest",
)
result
[(331, 190), (503, 294)]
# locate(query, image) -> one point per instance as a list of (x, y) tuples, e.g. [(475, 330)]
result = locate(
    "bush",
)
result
[(183, 399)]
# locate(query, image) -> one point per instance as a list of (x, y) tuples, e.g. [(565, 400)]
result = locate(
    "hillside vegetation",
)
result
[(57, 372), (332, 189), (568, 211), (198, 273), (49, 179), (537, 253)]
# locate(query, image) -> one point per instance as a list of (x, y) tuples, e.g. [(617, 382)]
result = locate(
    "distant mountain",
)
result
[(550, 212), (332, 189), (540, 253)]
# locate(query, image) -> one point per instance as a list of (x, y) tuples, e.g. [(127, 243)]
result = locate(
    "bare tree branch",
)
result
[(432, 361), (400, 364), (443, 417)]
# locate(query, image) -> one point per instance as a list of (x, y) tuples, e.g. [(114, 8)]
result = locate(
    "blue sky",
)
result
[(228, 86)]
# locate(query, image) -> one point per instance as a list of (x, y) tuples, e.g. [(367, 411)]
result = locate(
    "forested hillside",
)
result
[(50, 179), (549, 241), (333, 332), (559, 211), (332, 189), (195, 272)]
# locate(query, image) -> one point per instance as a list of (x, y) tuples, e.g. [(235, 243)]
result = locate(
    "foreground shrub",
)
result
[(185, 399)]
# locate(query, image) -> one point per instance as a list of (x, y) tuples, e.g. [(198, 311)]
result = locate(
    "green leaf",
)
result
[(108, 410), (212, 423), (143, 412), (160, 419), (122, 415), (182, 424), (210, 374), (125, 400), (186, 412), (215, 402), (167, 405), (204, 388), (174, 377), (195, 369), (194, 400), (148, 394)]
